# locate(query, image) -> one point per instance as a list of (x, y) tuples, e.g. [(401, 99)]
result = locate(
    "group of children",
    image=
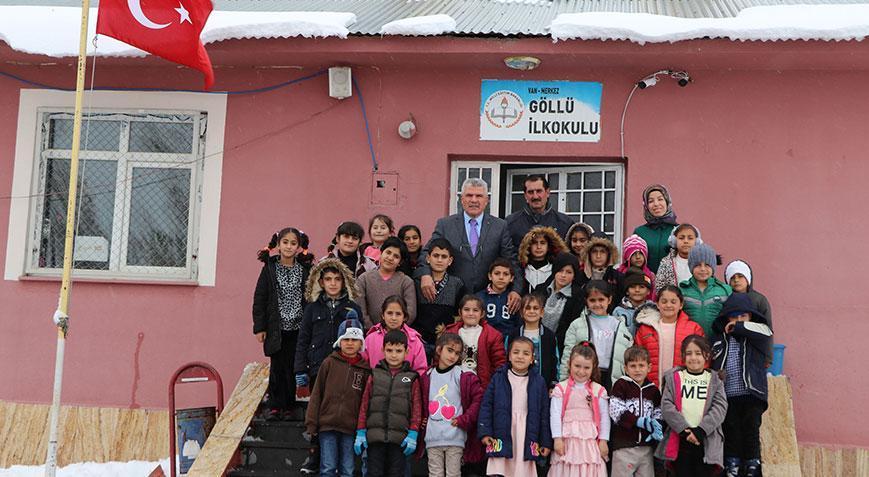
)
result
[(606, 366)]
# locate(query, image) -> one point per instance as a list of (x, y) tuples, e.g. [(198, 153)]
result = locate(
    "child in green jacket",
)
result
[(704, 294)]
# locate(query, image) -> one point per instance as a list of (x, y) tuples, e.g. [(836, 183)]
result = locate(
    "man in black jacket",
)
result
[(536, 211)]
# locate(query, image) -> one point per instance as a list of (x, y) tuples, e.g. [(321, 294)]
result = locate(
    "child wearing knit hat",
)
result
[(635, 253), (638, 289), (739, 276), (704, 294), (336, 398)]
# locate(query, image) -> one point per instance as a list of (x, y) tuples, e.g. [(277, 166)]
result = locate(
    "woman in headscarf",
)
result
[(660, 220)]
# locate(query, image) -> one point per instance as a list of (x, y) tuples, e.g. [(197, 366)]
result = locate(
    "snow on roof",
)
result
[(420, 26), (24, 29), (781, 22)]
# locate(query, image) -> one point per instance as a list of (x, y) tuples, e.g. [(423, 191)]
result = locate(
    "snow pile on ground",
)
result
[(782, 22), (420, 26), (90, 469), (26, 29)]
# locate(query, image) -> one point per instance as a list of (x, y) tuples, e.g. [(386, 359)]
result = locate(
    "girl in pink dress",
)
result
[(579, 418), (514, 415)]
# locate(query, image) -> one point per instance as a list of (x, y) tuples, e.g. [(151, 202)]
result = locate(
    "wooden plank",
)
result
[(822, 461), (86, 434), (778, 436), (156, 437), (232, 423)]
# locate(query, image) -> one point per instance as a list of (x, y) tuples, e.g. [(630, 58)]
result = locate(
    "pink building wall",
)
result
[(765, 152)]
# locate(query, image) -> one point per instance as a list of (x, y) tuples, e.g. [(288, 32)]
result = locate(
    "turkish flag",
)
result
[(169, 29)]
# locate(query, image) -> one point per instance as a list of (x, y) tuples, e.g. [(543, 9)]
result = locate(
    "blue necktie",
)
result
[(474, 238)]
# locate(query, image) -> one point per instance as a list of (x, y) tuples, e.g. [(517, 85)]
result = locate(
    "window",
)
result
[(148, 193), (138, 173), (588, 193), (488, 171)]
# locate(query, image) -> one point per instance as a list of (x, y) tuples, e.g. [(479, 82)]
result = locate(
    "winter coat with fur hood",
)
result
[(322, 317), (611, 275), (648, 335), (266, 310), (535, 276)]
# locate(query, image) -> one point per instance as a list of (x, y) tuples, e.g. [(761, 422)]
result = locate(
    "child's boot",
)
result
[(731, 466), (752, 468), (311, 466)]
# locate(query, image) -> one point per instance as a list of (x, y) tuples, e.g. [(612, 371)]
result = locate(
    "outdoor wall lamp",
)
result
[(523, 63)]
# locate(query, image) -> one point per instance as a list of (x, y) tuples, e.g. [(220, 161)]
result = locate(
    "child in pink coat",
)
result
[(394, 316), (635, 253)]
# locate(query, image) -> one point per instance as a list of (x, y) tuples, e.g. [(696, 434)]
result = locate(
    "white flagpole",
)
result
[(61, 316)]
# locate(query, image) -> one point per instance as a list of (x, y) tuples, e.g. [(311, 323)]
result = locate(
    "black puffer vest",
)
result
[(390, 403)]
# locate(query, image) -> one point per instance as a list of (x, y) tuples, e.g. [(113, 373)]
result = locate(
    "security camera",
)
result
[(647, 82), (681, 77)]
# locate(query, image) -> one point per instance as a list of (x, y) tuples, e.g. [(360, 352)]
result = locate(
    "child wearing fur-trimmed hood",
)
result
[(536, 253), (598, 260)]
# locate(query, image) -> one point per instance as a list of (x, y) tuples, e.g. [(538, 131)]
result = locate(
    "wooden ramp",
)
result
[(232, 423), (778, 434)]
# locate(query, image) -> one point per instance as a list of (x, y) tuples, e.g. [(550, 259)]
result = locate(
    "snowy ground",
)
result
[(90, 469)]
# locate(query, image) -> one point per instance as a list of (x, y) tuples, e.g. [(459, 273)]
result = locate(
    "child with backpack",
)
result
[(579, 418)]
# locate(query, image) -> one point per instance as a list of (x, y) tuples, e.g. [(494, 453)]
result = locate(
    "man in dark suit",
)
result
[(478, 239)]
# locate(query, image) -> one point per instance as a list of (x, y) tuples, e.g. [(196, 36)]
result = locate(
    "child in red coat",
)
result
[(484, 345), (661, 329)]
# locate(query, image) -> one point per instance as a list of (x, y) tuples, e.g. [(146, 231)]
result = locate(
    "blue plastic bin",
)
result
[(778, 359)]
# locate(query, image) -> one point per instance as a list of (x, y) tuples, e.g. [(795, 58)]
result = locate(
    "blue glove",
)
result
[(361, 441), (409, 443), (657, 430), (302, 379), (645, 423)]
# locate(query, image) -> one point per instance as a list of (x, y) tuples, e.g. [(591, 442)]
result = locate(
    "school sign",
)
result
[(567, 111)]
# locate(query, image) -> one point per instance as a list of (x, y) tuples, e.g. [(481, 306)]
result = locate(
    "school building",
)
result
[(764, 149)]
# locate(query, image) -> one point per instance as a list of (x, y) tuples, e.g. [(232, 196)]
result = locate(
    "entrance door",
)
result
[(589, 193)]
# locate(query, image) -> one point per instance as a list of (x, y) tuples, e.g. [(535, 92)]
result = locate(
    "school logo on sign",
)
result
[(566, 111), (504, 109)]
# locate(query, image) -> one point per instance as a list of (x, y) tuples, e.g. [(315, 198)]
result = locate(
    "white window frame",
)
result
[(203, 227), (494, 187), (563, 170)]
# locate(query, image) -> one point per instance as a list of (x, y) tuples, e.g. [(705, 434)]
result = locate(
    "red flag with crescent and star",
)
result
[(169, 29)]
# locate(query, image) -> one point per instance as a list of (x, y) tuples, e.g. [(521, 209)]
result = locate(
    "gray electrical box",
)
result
[(340, 83)]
